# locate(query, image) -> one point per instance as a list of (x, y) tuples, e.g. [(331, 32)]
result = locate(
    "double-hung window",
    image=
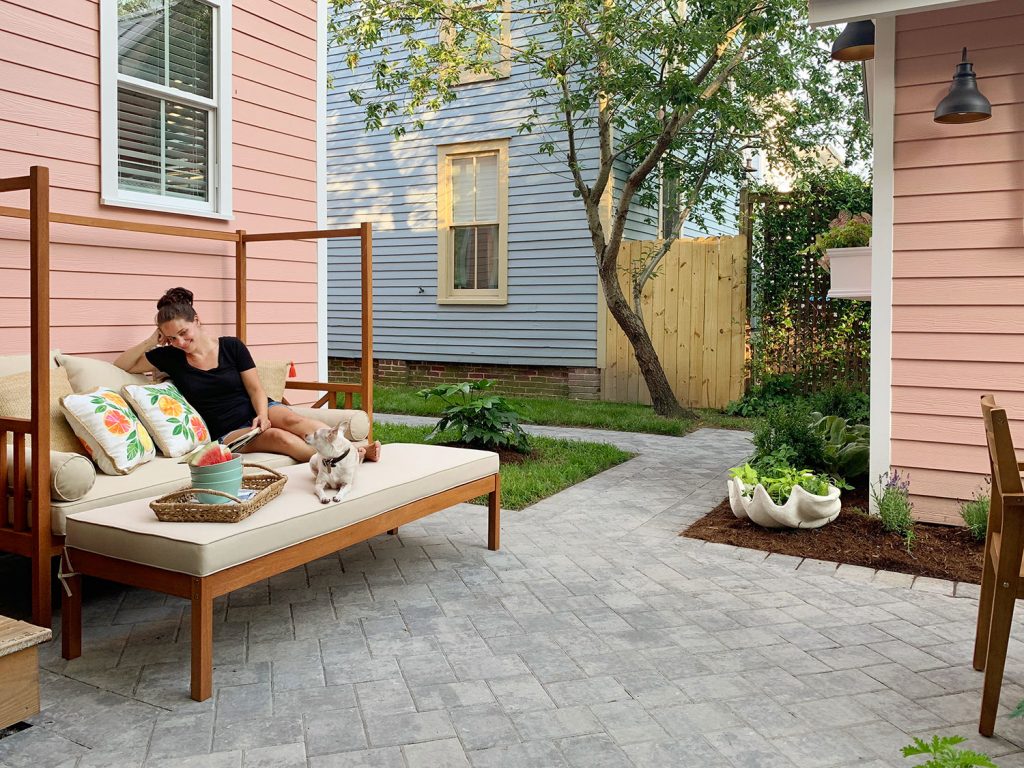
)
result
[(499, 55), (472, 223), (166, 105)]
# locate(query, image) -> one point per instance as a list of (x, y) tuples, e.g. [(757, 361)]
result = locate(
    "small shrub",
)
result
[(789, 426), (975, 515), (484, 420), (847, 448), (773, 391), (779, 481), (943, 753), (892, 497), (839, 400)]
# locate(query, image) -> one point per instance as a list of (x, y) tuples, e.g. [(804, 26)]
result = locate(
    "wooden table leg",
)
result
[(202, 640), (494, 516)]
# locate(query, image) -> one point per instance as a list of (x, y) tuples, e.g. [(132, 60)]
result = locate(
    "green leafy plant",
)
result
[(779, 479), (788, 426), (892, 498), (845, 231), (477, 419), (772, 392), (852, 404), (847, 447), (975, 514), (943, 753)]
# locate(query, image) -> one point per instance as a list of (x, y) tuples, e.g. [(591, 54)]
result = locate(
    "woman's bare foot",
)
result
[(370, 452)]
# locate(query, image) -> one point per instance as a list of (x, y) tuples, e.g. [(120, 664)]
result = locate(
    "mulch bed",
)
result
[(940, 551)]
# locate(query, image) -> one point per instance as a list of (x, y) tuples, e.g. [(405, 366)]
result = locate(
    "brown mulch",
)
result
[(505, 455), (940, 551)]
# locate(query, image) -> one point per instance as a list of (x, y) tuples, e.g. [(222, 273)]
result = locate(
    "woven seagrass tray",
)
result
[(182, 507)]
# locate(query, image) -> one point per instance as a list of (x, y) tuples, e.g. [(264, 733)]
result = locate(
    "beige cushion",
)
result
[(72, 475), (113, 435), (152, 479), (406, 473), (16, 402), (17, 363), (273, 374), (357, 424), (173, 424), (87, 373)]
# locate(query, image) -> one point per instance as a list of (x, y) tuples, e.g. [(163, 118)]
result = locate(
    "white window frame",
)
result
[(219, 206), (446, 292)]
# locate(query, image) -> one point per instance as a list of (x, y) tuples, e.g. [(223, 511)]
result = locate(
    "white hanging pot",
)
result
[(801, 510)]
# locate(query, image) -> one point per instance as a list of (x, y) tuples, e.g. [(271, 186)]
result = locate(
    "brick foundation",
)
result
[(538, 381)]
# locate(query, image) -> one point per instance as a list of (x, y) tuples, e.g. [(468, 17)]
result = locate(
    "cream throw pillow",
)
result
[(170, 420), (273, 374), (16, 402), (113, 435), (87, 373)]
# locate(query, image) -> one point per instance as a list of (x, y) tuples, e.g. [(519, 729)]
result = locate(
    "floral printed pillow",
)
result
[(173, 423), (112, 434)]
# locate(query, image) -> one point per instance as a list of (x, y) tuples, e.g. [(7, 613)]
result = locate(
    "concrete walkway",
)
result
[(596, 637)]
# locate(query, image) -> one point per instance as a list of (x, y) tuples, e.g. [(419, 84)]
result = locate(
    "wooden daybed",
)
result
[(26, 529)]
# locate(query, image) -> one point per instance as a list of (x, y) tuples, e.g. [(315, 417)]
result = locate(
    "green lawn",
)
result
[(555, 464), (550, 411)]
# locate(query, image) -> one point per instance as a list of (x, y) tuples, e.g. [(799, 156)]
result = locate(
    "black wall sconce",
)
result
[(964, 103), (856, 42)]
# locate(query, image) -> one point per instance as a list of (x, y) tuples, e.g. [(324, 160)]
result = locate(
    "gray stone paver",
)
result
[(597, 636)]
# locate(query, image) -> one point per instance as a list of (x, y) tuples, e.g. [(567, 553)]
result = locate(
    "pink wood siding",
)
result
[(104, 285), (958, 242)]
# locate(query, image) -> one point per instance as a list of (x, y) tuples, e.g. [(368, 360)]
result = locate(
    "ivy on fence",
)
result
[(795, 328)]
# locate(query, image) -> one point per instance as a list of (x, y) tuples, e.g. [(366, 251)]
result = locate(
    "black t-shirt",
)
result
[(218, 394)]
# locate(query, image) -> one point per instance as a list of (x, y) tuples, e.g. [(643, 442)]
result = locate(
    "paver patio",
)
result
[(595, 637)]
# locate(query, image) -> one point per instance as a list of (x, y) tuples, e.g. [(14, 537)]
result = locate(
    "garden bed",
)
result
[(939, 551)]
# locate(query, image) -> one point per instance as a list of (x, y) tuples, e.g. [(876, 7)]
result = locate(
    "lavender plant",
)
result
[(892, 498)]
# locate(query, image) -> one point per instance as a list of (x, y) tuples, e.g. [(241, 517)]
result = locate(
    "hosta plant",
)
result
[(477, 418), (847, 446)]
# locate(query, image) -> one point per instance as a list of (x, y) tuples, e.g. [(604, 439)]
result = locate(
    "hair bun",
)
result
[(175, 296)]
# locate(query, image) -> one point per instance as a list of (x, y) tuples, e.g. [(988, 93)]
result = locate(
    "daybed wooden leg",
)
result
[(202, 640), (998, 638), (42, 609), (392, 531), (71, 618), (988, 588), (494, 516)]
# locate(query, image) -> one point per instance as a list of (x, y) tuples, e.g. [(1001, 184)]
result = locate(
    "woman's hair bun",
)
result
[(175, 296)]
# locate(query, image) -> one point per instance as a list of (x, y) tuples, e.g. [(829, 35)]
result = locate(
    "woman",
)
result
[(218, 378)]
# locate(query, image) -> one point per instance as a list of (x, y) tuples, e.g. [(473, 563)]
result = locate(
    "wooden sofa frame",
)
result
[(26, 531)]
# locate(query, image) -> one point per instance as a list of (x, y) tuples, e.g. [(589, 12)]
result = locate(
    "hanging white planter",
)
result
[(850, 269), (801, 510)]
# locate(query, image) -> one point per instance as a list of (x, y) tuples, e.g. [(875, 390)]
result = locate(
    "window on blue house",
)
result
[(500, 19), (472, 223)]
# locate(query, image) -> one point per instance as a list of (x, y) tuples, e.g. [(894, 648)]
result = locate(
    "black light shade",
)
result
[(964, 103), (856, 42)]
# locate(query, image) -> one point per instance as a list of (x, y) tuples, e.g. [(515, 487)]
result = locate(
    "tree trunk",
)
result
[(663, 398)]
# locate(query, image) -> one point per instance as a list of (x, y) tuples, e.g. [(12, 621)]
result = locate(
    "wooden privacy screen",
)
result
[(695, 309)]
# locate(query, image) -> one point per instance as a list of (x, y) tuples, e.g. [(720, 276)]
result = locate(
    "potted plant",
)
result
[(776, 495), (845, 253)]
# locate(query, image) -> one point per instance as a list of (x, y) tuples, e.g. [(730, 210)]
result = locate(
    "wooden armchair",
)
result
[(1002, 582)]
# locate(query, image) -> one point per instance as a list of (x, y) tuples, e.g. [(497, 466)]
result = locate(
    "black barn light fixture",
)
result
[(964, 103), (856, 42)]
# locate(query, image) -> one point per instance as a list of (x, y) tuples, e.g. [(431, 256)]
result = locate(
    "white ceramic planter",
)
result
[(801, 510), (850, 269)]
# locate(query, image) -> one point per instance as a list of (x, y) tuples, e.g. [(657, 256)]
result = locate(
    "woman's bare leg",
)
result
[(287, 419)]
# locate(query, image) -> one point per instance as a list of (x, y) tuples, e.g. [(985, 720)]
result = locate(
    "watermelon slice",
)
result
[(216, 453)]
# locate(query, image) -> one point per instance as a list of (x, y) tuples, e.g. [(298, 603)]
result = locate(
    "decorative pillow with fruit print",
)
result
[(112, 434), (173, 423)]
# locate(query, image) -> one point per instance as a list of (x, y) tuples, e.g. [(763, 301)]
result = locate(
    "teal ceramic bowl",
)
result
[(227, 481), (234, 464)]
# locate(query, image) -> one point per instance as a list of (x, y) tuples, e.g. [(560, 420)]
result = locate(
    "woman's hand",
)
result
[(262, 422), (156, 339)]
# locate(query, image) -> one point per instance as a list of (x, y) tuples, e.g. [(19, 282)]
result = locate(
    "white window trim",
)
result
[(220, 204), (446, 293)]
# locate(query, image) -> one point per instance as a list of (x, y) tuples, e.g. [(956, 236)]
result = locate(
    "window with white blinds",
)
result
[(165, 147), (472, 222)]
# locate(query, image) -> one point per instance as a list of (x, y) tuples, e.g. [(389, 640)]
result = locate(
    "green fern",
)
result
[(943, 754)]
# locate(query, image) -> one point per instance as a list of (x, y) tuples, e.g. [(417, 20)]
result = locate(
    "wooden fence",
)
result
[(695, 310)]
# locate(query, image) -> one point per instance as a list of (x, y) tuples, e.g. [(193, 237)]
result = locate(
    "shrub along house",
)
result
[(195, 113), (520, 302), (947, 263)]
